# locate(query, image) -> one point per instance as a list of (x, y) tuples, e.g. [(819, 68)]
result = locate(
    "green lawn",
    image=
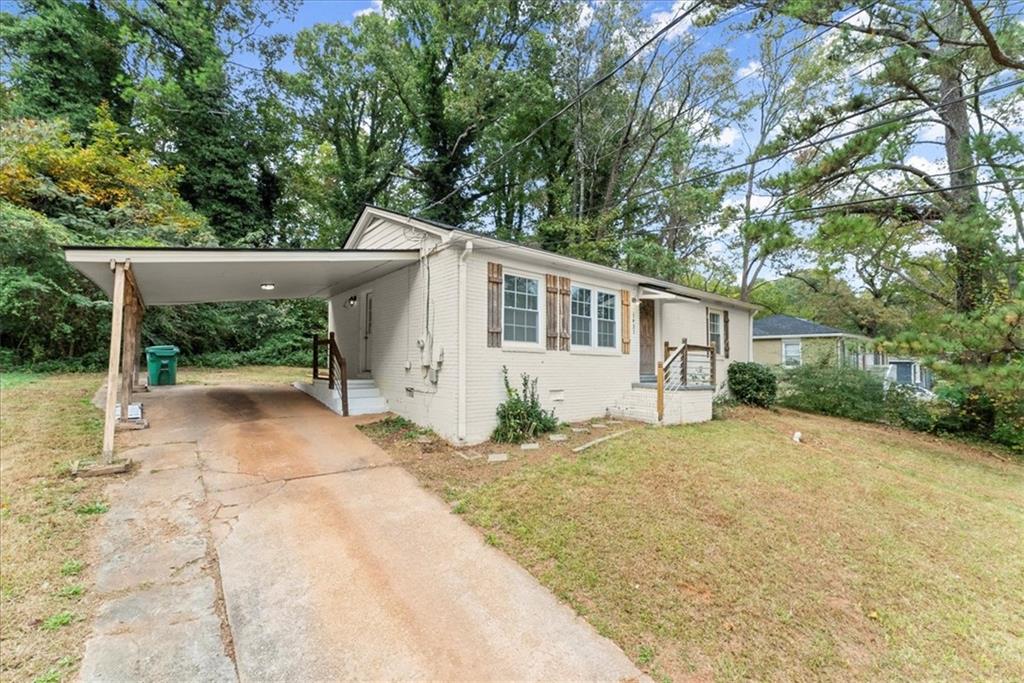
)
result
[(726, 551)]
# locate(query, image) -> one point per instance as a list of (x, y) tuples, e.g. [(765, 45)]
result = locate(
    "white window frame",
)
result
[(720, 345), (593, 346), (799, 355), (512, 344)]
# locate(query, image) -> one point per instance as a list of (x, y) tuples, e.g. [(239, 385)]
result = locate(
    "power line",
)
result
[(811, 209), (578, 98), (830, 138)]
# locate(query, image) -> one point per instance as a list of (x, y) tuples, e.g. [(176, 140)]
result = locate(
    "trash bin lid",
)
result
[(162, 350)]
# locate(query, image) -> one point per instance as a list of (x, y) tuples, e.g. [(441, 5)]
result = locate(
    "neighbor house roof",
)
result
[(791, 326), (540, 255)]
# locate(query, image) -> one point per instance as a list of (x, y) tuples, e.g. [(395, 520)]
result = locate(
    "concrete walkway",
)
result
[(266, 539)]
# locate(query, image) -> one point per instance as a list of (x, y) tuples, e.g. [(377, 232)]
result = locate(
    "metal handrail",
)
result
[(677, 372)]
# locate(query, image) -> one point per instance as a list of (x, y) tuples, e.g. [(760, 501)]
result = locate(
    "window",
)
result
[(593, 318), (606, 320), (521, 312), (581, 316), (715, 331), (791, 352)]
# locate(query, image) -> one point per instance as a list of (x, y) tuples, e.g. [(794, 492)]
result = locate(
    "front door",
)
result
[(367, 330), (646, 337)]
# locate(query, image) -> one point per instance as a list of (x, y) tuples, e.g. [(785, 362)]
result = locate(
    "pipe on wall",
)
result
[(467, 249)]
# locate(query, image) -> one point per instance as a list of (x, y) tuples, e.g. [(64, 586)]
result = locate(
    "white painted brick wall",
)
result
[(399, 318)]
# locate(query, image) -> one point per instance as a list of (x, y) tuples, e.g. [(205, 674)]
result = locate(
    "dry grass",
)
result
[(725, 551), (45, 521), (47, 518), (250, 374)]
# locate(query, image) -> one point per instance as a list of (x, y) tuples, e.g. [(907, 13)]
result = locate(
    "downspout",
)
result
[(750, 337), (467, 249)]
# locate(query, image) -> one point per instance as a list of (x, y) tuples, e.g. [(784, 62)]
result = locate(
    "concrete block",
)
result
[(497, 457), (529, 446)]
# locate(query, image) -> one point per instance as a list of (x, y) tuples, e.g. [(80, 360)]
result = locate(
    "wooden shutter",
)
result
[(564, 289), (725, 332), (494, 304), (627, 321), (707, 326), (551, 311)]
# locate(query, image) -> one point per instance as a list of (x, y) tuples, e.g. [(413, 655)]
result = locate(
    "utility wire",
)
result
[(586, 91), (830, 138), (578, 98)]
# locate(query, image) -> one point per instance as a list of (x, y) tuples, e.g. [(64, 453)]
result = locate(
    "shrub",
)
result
[(753, 384), (521, 416), (843, 392), (904, 409)]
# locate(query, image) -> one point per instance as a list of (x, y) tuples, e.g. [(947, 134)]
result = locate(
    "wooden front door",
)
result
[(646, 337)]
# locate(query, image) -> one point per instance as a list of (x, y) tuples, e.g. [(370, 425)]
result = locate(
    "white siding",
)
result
[(400, 303), (589, 383), (687, 320), (384, 234)]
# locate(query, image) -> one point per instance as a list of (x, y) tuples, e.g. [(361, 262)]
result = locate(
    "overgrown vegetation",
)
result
[(521, 416), (752, 384), (858, 395)]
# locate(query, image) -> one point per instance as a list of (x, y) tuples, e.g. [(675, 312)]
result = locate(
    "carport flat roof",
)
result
[(171, 275)]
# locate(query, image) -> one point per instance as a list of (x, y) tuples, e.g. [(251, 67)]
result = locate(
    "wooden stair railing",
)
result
[(337, 367)]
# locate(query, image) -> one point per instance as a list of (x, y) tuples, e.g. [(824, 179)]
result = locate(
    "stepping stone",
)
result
[(497, 457), (599, 425), (580, 430), (558, 437), (469, 455), (615, 422), (530, 446)]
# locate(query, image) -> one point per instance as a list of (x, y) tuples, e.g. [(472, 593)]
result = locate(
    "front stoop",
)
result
[(364, 398), (641, 403)]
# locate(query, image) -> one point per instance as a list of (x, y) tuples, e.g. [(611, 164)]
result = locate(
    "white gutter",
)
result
[(460, 433), (750, 339)]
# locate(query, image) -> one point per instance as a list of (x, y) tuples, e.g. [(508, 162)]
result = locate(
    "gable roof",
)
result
[(446, 232), (791, 326)]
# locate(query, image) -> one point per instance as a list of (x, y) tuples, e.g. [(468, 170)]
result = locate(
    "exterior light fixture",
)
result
[(352, 301), (267, 286)]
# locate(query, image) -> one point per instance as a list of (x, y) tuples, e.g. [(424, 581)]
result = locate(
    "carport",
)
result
[(137, 277)]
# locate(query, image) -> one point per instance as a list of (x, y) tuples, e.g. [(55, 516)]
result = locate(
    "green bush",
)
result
[(904, 409), (843, 392), (521, 416), (753, 384)]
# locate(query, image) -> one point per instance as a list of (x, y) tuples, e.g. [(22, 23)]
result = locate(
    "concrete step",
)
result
[(363, 397)]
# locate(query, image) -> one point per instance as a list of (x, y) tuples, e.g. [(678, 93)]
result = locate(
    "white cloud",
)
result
[(727, 137), (661, 18), (752, 67), (932, 132), (376, 7), (929, 166), (585, 17)]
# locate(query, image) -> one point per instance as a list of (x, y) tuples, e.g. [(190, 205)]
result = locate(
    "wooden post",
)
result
[(682, 364), (661, 391), (128, 350), (666, 354), (344, 385), (116, 319), (330, 361), (711, 355), (316, 360)]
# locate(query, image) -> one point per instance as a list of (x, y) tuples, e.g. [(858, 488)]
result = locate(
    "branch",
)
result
[(998, 56)]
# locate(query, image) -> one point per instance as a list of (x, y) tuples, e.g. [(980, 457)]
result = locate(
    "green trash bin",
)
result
[(162, 362)]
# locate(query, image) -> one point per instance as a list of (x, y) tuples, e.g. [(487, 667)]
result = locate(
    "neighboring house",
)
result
[(909, 372), (790, 341), (427, 315)]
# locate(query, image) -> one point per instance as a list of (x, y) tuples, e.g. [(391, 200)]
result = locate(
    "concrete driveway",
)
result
[(266, 539)]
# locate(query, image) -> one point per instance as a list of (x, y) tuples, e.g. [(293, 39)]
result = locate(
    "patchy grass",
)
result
[(10, 380), (249, 374), (727, 551), (46, 421)]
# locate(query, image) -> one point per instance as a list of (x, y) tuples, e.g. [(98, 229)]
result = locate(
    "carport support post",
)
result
[(113, 361), (132, 320)]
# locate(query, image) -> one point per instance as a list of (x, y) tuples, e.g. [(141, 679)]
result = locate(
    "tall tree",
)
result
[(63, 58)]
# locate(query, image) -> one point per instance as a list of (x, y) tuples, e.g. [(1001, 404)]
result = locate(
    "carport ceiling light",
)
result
[(267, 286)]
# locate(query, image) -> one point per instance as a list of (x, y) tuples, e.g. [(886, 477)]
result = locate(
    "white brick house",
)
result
[(427, 315)]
